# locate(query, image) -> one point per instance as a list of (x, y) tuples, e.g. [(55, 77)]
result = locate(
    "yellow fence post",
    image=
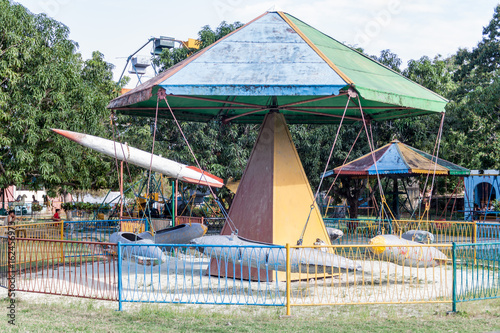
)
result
[(62, 238), (474, 240), (288, 277)]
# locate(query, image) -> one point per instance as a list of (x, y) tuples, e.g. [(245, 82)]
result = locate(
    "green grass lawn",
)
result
[(70, 314)]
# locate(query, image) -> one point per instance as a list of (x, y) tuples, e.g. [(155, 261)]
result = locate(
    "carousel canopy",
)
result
[(277, 62), (396, 158)]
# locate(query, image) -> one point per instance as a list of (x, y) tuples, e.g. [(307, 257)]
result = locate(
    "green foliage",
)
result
[(45, 84), (208, 36), (36, 207), (389, 59), (434, 74), (473, 115)]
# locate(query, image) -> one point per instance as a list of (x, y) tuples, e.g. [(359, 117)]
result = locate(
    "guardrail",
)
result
[(46, 230), (197, 274), (69, 268), (254, 275), (372, 276), (92, 230), (443, 231), (487, 232), (477, 272), (358, 231)]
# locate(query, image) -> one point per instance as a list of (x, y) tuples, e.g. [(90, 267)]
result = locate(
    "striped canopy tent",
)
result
[(398, 159), (277, 62)]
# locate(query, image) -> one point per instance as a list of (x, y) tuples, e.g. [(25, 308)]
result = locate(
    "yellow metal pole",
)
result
[(474, 240), (288, 276), (62, 230), (62, 238)]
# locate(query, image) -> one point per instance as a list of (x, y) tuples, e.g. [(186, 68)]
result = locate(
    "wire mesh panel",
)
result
[(477, 271), (159, 224), (79, 269), (369, 275), (202, 274)]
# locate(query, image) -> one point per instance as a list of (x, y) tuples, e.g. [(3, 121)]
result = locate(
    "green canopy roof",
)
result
[(277, 62)]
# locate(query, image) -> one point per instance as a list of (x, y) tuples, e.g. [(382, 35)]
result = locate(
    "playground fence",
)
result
[(373, 279), (358, 231), (68, 268), (45, 230), (477, 272), (198, 274), (487, 232), (286, 276)]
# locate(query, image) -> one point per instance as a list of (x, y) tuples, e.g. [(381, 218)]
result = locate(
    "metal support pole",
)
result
[(288, 277), (62, 238), (176, 195), (173, 202), (122, 199), (454, 292), (120, 287)]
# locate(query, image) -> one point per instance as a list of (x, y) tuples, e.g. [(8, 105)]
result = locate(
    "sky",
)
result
[(409, 28)]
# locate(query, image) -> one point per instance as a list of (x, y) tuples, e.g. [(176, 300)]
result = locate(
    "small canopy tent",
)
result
[(397, 160)]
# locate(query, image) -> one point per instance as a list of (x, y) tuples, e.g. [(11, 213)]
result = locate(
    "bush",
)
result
[(36, 207)]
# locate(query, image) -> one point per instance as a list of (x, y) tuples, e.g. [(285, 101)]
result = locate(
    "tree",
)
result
[(389, 59), (206, 36), (45, 84), (473, 115)]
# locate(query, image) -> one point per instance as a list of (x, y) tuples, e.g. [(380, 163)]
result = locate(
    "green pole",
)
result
[(173, 202), (454, 292)]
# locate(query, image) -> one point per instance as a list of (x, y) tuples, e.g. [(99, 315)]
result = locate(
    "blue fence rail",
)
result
[(197, 274), (476, 272), (488, 232), (96, 230)]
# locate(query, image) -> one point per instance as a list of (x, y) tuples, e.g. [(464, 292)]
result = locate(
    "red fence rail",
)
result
[(69, 268)]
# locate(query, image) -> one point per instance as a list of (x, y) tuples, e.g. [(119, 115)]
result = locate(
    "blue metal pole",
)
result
[(120, 286)]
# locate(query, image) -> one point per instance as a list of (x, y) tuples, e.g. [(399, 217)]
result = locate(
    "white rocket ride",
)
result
[(141, 158)]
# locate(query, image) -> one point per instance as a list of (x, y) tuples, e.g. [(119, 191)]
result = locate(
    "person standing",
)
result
[(11, 218), (56, 216)]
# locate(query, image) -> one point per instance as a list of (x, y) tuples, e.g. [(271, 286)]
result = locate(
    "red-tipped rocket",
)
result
[(124, 152)]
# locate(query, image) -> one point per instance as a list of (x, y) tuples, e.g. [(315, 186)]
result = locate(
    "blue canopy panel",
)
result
[(265, 58), (390, 162)]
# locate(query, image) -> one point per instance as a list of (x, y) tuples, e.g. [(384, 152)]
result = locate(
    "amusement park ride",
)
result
[(274, 70)]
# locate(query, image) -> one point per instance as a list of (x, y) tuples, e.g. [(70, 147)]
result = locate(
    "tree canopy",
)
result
[(44, 84)]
